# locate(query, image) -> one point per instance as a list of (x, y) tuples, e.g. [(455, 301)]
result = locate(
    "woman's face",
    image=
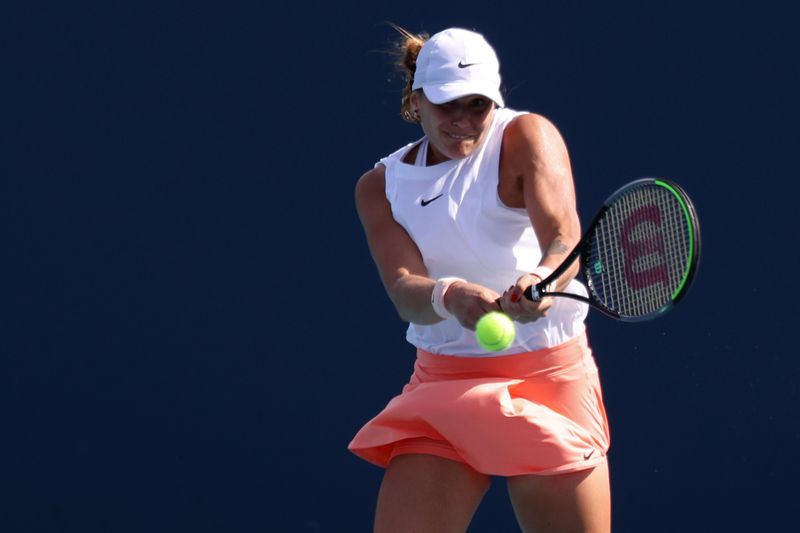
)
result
[(456, 128)]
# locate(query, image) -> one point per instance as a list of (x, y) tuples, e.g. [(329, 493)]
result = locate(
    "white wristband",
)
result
[(542, 271), (437, 296)]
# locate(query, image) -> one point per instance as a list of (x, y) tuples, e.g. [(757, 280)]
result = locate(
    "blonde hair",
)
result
[(406, 50)]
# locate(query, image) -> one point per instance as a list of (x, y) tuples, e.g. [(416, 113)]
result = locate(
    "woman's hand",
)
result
[(516, 305), (468, 302)]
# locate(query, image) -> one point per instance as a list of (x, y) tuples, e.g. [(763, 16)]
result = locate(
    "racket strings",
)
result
[(638, 254)]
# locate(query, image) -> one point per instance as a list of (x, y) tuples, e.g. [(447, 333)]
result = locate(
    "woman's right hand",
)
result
[(521, 309)]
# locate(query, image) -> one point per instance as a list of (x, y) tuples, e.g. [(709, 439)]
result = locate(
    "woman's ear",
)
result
[(414, 101)]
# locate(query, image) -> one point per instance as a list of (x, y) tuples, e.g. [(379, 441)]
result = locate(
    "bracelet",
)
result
[(437, 296), (542, 272)]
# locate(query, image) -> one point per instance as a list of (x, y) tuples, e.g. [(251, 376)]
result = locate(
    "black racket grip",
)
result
[(528, 294)]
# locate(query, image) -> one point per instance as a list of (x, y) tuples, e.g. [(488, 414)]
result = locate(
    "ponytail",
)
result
[(406, 51)]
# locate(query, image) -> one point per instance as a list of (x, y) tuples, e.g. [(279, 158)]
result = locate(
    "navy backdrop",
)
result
[(193, 328)]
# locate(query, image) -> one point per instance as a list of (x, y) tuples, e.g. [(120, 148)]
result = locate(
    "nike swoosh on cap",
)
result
[(461, 64)]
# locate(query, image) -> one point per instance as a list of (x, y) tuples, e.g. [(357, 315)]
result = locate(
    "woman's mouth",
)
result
[(458, 137)]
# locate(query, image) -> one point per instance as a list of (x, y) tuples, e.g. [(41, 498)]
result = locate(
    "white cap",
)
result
[(455, 63)]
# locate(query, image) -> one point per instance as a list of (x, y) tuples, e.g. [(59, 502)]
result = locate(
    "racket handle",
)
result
[(529, 294)]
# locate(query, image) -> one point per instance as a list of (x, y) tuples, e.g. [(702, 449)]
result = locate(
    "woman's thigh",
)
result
[(426, 493), (577, 502)]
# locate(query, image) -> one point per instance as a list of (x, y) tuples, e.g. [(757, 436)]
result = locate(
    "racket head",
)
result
[(642, 249)]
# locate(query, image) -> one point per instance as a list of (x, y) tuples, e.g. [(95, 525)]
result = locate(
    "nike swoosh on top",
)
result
[(424, 202), (465, 65)]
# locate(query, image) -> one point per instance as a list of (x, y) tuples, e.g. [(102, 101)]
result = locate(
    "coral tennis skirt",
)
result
[(538, 412)]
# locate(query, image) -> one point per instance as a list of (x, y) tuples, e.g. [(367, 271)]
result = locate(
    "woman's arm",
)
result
[(397, 257), (401, 267), (536, 172)]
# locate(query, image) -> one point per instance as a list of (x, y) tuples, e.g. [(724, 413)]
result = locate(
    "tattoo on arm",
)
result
[(557, 248)]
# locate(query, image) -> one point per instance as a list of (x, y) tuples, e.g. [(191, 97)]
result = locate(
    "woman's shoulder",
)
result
[(531, 137), (370, 195), (376, 176), (530, 128), (372, 178), (527, 121), (398, 154)]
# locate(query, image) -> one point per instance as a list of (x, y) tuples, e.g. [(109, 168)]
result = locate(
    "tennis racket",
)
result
[(639, 255)]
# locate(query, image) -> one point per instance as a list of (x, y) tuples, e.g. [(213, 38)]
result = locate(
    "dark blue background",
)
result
[(193, 328)]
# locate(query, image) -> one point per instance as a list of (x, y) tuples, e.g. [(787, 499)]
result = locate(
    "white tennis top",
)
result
[(454, 215)]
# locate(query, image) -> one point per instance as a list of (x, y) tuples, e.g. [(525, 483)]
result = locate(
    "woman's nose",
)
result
[(459, 116)]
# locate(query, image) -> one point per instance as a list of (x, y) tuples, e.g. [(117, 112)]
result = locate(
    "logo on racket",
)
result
[(643, 243)]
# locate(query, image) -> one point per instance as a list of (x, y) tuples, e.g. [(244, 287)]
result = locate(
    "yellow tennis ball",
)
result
[(495, 331)]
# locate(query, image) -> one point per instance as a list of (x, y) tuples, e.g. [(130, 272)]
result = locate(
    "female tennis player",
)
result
[(479, 208)]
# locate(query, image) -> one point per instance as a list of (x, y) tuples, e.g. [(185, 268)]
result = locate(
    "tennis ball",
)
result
[(495, 331)]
